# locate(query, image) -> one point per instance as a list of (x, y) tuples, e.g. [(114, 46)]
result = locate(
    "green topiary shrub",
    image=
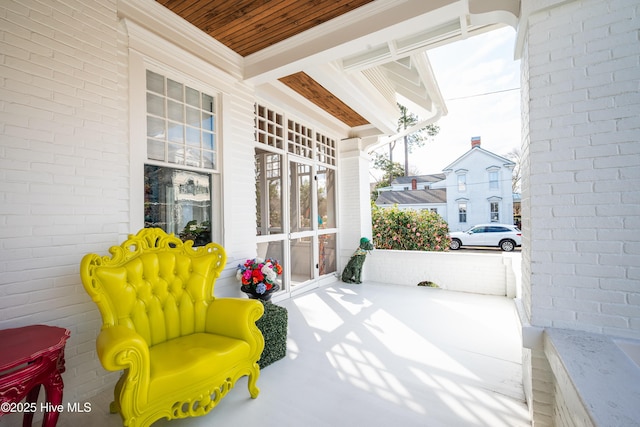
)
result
[(409, 229), (273, 325)]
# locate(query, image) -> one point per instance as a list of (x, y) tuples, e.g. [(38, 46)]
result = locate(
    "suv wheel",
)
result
[(455, 244), (507, 245)]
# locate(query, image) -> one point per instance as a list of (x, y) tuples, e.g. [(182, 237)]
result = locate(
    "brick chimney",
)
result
[(414, 184), (475, 141)]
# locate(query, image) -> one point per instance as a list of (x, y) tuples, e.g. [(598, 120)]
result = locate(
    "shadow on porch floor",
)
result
[(378, 355)]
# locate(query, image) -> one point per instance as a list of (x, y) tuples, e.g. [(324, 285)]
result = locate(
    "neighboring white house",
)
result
[(475, 188)]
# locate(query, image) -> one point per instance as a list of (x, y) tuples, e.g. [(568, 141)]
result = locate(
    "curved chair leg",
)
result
[(254, 391)]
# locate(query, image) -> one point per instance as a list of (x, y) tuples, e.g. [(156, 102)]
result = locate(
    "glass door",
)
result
[(302, 223), (295, 199)]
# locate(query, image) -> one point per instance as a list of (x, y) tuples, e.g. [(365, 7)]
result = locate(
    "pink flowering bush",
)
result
[(409, 229)]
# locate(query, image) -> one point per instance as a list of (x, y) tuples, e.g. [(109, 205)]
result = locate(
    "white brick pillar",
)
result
[(354, 199), (580, 110)]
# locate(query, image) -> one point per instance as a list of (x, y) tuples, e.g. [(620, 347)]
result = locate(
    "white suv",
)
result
[(504, 236)]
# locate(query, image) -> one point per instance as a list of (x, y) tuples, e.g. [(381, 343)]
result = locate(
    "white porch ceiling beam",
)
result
[(366, 28), (359, 94)]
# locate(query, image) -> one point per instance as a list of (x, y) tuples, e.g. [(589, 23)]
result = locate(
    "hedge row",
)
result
[(409, 229)]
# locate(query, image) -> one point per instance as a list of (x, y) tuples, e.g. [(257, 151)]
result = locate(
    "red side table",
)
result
[(30, 357)]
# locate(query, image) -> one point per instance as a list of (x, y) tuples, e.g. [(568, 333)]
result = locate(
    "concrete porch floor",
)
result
[(378, 355)]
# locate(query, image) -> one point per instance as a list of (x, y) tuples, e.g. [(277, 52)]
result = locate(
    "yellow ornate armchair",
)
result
[(180, 348)]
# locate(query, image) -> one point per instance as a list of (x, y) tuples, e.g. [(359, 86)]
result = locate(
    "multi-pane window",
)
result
[(299, 139), (493, 180), (325, 149), (462, 212), (495, 211), (269, 127), (182, 151), (462, 182), (181, 123)]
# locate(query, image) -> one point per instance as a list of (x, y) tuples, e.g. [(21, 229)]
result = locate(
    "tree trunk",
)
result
[(406, 155)]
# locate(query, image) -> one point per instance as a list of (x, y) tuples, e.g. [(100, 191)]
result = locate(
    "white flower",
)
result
[(268, 272), (239, 275)]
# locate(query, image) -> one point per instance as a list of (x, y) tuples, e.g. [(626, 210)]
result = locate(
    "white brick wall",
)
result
[(581, 204), (63, 167), (584, 153), (65, 185)]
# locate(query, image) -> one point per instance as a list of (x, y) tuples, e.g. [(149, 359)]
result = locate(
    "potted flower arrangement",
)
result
[(259, 277)]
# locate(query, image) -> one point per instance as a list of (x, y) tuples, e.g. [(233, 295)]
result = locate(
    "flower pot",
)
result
[(254, 295)]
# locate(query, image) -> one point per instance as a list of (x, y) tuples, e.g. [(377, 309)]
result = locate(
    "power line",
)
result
[(483, 94)]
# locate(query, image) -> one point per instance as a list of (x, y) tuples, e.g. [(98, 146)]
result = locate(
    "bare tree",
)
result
[(515, 156)]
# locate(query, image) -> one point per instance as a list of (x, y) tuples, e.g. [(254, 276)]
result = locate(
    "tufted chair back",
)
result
[(154, 284)]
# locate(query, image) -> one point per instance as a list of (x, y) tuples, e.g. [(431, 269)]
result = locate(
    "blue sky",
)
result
[(477, 78)]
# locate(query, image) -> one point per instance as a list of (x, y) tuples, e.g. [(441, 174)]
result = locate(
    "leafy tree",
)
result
[(413, 140), (391, 169)]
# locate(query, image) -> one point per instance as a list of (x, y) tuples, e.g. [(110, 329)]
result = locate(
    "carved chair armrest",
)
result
[(122, 348), (235, 318)]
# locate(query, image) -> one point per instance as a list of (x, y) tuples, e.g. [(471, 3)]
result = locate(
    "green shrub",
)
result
[(409, 229)]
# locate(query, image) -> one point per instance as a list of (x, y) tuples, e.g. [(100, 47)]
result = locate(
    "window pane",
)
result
[(176, 154), (193, 97), (179, 202), (268, 193), (207, 103), (208, 122), (155, 127), (301, 260), (208, 160), (193, 136), (175, 90), (155, 149), (193, 157), (462, 212), (155, 82), (300, 194), (176, 132), (155, 105), (327, 253), (193, 117), (176, 111), (326, 198), (462, 182), (208, 141)]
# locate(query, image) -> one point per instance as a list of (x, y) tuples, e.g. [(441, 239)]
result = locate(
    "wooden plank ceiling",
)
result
[(248, 26)]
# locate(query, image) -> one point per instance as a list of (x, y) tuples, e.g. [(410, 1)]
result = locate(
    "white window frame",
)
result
[(494, 184), (194, 73), (461, 181)]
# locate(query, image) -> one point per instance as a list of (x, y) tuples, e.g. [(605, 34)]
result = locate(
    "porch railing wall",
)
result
[(482, 273)]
